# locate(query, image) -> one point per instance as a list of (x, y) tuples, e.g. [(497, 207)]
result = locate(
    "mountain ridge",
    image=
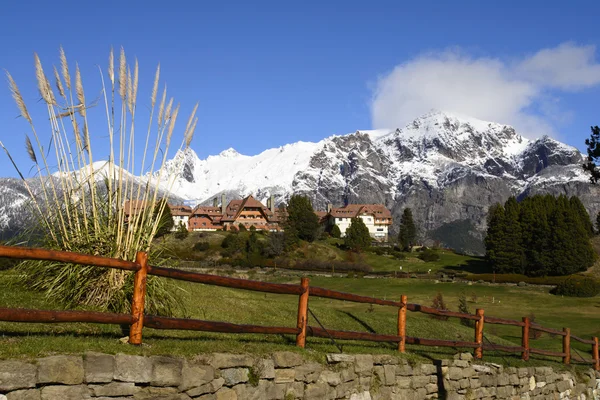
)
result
[(449, 169)]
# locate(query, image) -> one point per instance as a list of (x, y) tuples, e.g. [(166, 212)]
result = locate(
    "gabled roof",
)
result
[(235, 208), (354, 210), (180, 210)]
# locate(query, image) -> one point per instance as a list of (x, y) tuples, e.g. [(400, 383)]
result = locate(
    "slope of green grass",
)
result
[(239, 306)]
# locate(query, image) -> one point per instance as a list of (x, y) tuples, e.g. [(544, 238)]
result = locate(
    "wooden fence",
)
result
[(137, 319)]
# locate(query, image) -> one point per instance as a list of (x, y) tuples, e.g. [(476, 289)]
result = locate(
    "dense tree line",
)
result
[(542, 235)]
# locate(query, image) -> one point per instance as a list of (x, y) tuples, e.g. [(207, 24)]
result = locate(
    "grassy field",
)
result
[(238, 306)]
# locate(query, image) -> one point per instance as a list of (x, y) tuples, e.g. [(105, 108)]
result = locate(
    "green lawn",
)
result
[(412, 264), (239, 306)]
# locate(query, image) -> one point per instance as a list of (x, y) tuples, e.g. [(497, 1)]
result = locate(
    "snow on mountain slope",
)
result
[(433, 149), (230, 170)]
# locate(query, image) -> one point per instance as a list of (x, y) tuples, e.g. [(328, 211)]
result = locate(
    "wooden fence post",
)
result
[(595, 354), (402, 324), (567, 346), (139, 298), (302, 313), (479, 334), (525, 339)]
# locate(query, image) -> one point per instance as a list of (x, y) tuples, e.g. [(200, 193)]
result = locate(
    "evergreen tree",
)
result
[(593, 150), (357, 235), (336, 233), (581, 213), (494, 239), (302, 219), (165, 219), (408, 231), (242, 228), (598, 223)]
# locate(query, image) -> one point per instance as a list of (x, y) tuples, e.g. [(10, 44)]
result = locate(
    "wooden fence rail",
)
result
[(138, 319)]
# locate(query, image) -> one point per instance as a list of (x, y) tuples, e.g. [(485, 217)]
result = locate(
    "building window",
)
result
[(379, 229)]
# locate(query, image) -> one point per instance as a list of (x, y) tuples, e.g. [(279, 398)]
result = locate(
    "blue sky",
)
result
[(267, 73)]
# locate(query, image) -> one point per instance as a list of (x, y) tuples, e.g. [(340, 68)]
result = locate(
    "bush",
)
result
[(429, 255), (464, 308), (181, 232), (576, 286), (335, 231), (439, 304), (201, 246)]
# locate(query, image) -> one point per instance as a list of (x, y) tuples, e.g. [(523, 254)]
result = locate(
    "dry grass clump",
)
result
[(80, 204)]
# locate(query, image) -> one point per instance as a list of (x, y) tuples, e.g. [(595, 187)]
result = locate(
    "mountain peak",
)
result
[(229, 153)]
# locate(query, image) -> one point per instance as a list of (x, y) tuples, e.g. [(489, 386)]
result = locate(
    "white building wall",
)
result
[(376, 230), (177, 219)]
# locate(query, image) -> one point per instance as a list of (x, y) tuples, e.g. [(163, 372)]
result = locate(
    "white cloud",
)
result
[(515, 93)]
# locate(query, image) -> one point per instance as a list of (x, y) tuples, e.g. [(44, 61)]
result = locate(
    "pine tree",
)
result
[(408, 231), (302, 219), (513, 239), (582, 214), (593, 150), (357, 235), (335, 231), (494, 239), (165, 219)]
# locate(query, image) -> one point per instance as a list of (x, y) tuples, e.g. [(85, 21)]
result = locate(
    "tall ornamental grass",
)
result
[(82, 205)]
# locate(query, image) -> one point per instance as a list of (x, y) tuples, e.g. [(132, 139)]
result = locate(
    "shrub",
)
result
[(576, 286), (336, 232), (439, 304), (181, 232), (84, 208), (201, 246), (464, 308), (429, 255)]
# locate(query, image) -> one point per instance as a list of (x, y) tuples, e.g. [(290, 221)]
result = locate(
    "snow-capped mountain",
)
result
[(448, 168)]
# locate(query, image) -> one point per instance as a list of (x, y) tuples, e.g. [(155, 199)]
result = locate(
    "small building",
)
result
[(376, 217)]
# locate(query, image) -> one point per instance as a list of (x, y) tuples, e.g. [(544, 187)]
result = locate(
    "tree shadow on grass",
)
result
[(478, 266)]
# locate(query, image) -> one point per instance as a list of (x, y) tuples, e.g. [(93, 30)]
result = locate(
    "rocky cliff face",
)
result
[(449, 169)]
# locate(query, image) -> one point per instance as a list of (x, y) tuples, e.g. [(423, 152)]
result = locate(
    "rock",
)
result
[(295, 390), (338, 357), (265, 369), (384, 359), (61, 369), (316, 391), (226, 360), (361, 396), (208, 388), (329, 377), (194, 375), (285, 375), (286, 359), (114, 389), (135, 369), (482, 369), (234, 376), (364, 365), (226, 394), (77, 392), (17, 375), (27, 394), (98, 367), (166, 371), (157, 393), (428, 369), (308, 372)]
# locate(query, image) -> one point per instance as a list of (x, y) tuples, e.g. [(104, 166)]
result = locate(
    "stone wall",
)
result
[(284, 375)]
